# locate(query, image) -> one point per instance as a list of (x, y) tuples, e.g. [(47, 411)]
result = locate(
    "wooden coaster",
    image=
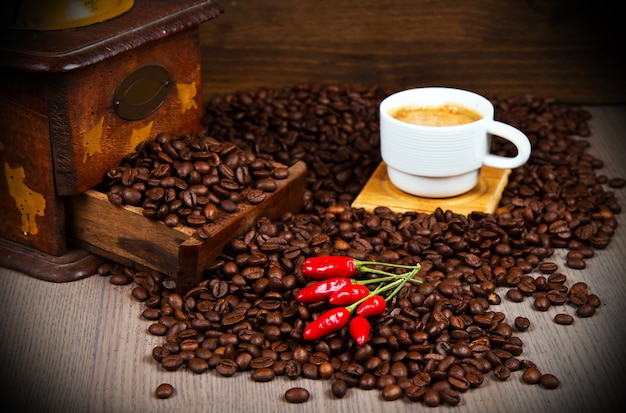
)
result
[(379, 191)]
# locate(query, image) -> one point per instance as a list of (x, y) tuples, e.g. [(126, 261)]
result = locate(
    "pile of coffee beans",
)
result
[(191, 179), (439, 339)]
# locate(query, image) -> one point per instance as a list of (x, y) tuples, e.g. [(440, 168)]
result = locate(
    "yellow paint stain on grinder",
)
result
[(28, 202)]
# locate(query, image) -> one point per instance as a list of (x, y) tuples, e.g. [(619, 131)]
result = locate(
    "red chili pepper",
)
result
[(375, 305), (332, 320), (321, 290), (349, 294), (360, 329), (323, 267)]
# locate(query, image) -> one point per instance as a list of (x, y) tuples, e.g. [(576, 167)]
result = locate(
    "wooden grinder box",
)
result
[(74, 102)]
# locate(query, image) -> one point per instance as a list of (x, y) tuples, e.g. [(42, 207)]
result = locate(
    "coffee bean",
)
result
[(115, 198), (526, 287), (140, 293), (367, 381), (164, 391), (501, 372), (542, 303), (515, 295), (339, 388), (196, 220), (564, 319), (256, 196), (585, 310), (391, 392), (385, 380), (432, 398), (263, 374), (617, 182), (522, 323), (472, 260), (548, 267), (531, 375), (232, 318), (549, 381), (228, 206), (513, 364), (556, 278), (280, 173), (157, 329), (132, 196), (451, 397), (226, 367), (326, 370), (120, 279), (460, 383), (171, 220), (297, 395), (415, 393), (310, 371), (578, 298), (261, 362), (151, 314), (594, 300), (556, 297), (172, 362), (575, 262), (494, 299), (188, 344), (159, 352), (198, 365)]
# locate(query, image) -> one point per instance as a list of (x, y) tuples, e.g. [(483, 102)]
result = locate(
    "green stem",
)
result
[(381, 280), (397, 283), (380, 272), (394, 292), (409, 276), (383, 264)]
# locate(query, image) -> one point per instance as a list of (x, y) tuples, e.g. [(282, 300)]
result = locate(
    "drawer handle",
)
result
[(141, 92)]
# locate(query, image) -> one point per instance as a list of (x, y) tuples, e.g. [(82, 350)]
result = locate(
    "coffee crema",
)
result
[(449, 114)]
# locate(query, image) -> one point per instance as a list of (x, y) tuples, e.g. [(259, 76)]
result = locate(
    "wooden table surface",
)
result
[(83, 347)]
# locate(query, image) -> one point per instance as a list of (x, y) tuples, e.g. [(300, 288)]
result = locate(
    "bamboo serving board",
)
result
[(379, 191), (124, 235)]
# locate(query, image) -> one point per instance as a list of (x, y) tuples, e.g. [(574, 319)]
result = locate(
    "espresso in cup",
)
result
[(449, 114), (435, 140)]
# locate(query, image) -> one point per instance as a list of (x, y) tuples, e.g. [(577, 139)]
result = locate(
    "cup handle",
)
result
[(517, 138)]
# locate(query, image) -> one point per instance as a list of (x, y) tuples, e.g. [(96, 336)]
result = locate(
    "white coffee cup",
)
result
[(443, 161)]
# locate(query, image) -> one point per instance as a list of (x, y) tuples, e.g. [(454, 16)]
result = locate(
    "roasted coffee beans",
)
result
[(439, 339), (190, 179)]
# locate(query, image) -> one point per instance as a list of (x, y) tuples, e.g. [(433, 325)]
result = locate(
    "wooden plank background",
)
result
[(570, 50)]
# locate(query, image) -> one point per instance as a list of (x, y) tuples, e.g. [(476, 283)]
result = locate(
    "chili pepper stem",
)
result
[(394, 292), (401, 284), (391, 276), (381, 280), (397, 283), (379, 272), (382, 264)]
